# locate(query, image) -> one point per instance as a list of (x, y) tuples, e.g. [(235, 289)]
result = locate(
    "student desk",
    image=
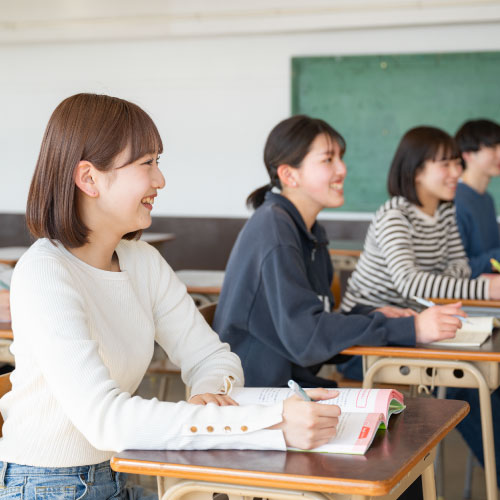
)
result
[(6, 338), (10, 255), (157, 239), (472, 367), (395, 459)]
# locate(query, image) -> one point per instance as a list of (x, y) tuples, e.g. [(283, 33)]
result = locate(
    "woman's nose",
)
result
[(158, 179)]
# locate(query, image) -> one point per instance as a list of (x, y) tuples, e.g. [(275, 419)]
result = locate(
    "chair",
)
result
[(5, 387), (208, 312)]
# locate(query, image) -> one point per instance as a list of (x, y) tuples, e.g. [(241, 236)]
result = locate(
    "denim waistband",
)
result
[(8, 468)]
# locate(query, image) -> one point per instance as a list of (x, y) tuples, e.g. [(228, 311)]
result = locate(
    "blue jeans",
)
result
[(86, 482), (469, 427)]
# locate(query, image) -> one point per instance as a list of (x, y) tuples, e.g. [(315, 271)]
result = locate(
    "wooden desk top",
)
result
[(488, 304), (157, 238), (10, 255), (489, 351), (5, 330), (410, 437), (201, 281), (346, 248)]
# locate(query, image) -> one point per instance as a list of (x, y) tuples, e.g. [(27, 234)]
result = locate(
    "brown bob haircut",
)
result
[(417, 146), (90, 127)]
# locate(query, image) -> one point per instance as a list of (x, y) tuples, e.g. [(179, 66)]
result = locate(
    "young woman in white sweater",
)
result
[(88, 301)]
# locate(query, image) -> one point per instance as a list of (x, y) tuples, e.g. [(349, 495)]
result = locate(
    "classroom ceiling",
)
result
[(27, 21)]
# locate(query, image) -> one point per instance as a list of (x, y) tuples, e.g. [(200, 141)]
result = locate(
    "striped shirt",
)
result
[(408, 252)]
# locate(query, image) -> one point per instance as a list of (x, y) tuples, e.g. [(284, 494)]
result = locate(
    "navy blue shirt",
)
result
[(477, 223), (275, 304)]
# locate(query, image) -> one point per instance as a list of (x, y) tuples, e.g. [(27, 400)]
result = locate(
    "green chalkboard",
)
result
[(373, 100)]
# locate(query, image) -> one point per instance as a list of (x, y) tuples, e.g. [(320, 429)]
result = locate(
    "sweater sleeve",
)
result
[(393, 236), (307, 334), (187, 338), (50, 319), (480, 263)]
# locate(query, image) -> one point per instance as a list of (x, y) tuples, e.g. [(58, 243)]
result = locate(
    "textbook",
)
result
[(363, 412), (473, 333)]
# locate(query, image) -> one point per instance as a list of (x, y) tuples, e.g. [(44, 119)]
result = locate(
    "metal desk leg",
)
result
[(185, 489), (484, 402), (428, 483)]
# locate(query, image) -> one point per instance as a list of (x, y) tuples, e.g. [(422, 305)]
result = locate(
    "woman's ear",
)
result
[(287, 175), (469, 156), (84, 178)]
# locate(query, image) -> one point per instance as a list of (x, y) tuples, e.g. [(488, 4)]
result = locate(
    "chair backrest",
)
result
[(208, 312), (5, 387)]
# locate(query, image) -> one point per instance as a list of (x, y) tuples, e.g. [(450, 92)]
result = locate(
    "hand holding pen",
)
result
[(306, 424), (429, 303), (438, 322)]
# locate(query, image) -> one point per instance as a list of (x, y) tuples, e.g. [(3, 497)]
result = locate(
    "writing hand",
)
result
[(306, 424)]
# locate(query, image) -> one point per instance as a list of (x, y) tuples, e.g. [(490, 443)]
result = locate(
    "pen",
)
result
[(4, 285), (429, 303), (495, 264), (298, 390)]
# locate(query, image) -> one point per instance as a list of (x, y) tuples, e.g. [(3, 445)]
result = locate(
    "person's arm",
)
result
[(56, 331), (185, 336), (307, 334), (394, 240)]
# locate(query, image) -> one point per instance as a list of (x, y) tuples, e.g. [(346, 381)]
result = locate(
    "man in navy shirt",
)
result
[(479, 143)]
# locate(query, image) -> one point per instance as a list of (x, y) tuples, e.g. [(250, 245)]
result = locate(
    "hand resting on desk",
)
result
[(218, 399), (396, 312)]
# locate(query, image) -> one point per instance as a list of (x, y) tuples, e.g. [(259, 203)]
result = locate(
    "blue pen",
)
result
[(298, 390), (429, 303)]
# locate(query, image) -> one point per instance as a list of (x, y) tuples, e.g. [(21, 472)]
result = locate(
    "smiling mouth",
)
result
[(338, 186), (148, 200)]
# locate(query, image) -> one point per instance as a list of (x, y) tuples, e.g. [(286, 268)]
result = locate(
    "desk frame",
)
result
[(384, 365), (397, 458)]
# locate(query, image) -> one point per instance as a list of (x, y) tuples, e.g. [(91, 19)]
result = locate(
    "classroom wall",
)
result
[(215, 89), (215, 76)]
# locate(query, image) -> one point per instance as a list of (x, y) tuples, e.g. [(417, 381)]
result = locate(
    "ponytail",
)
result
[(257, 197)]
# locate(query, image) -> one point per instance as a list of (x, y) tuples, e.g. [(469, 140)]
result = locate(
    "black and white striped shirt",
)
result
[(408, 252)]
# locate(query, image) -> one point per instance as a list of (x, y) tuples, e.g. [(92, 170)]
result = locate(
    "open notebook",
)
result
[(473, 333), (364, 411)]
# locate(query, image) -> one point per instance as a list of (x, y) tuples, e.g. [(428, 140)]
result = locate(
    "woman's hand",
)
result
[(4, 305), (306, 424), (495, 287), (438, 323), (218, 399), (396, 312)]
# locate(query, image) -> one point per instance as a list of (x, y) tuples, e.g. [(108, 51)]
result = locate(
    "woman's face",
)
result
[(320, 177), (437, 180), (127, 193)]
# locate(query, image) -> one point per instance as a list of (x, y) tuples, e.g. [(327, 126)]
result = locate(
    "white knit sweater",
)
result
[(83, 339)]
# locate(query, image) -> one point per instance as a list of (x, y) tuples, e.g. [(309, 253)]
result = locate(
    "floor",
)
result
[(455, 450)]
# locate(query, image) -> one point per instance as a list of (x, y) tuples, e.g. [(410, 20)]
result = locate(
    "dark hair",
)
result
[(288, 143), (417, 146), (474, 134), (90, 127)]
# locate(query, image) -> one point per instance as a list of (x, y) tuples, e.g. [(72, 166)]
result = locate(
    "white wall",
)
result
[(214, 95)]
